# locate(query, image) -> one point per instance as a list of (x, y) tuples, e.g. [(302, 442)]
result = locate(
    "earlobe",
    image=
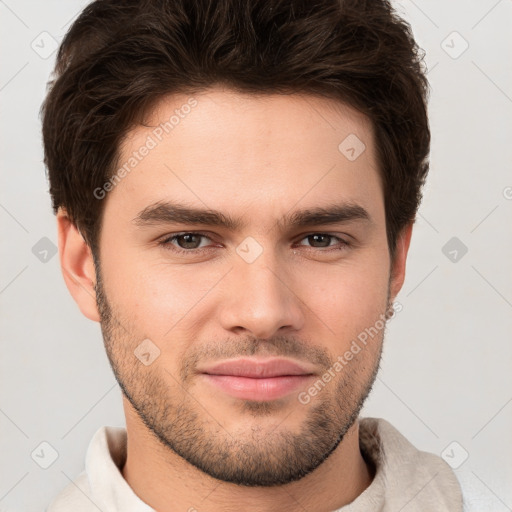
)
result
[(77, 266), (398, 267)]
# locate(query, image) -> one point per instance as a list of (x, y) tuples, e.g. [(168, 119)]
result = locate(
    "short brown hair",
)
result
[(119, 57)]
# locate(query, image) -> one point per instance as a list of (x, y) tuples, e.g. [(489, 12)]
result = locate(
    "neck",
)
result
[(166, 482)]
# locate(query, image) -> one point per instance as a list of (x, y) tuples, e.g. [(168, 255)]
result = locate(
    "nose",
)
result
[(259, 298)]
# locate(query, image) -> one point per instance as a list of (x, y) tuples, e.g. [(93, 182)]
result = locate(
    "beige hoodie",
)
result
[(406, 479)]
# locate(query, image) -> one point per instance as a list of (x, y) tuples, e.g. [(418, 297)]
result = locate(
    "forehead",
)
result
[(250, 122), (226, 150)]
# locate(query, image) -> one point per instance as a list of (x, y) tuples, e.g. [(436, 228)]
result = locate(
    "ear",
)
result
[(398, 265), (77, 266)]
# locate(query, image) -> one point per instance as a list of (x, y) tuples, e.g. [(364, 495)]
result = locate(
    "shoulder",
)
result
[(105, 454), (408, 476), (75, 497)]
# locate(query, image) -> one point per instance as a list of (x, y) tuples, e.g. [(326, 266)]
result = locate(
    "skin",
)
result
[(257, 159)]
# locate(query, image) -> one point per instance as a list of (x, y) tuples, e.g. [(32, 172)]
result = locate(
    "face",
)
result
[(241, 256)]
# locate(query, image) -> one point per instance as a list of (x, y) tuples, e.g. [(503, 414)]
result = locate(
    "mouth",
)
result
[(254, 379)]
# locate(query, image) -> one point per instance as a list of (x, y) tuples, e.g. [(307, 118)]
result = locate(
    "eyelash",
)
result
[(166, 243)]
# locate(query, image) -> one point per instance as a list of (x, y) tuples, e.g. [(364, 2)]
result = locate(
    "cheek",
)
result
[(157, 299), (348, 298)]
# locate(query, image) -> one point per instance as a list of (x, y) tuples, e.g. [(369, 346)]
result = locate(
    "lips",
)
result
[(258, 369), (253, 379)]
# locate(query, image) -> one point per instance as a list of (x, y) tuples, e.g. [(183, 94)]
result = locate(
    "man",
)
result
[(235, 186)]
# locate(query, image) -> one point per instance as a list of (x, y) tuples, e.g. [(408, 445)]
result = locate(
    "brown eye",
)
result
[(323, 240), (188, 241), (185, 242)]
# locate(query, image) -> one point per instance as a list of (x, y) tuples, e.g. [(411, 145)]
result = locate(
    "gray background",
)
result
[(446, 379)]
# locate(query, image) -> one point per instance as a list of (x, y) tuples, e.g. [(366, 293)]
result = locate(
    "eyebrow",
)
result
[(165, 212)]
